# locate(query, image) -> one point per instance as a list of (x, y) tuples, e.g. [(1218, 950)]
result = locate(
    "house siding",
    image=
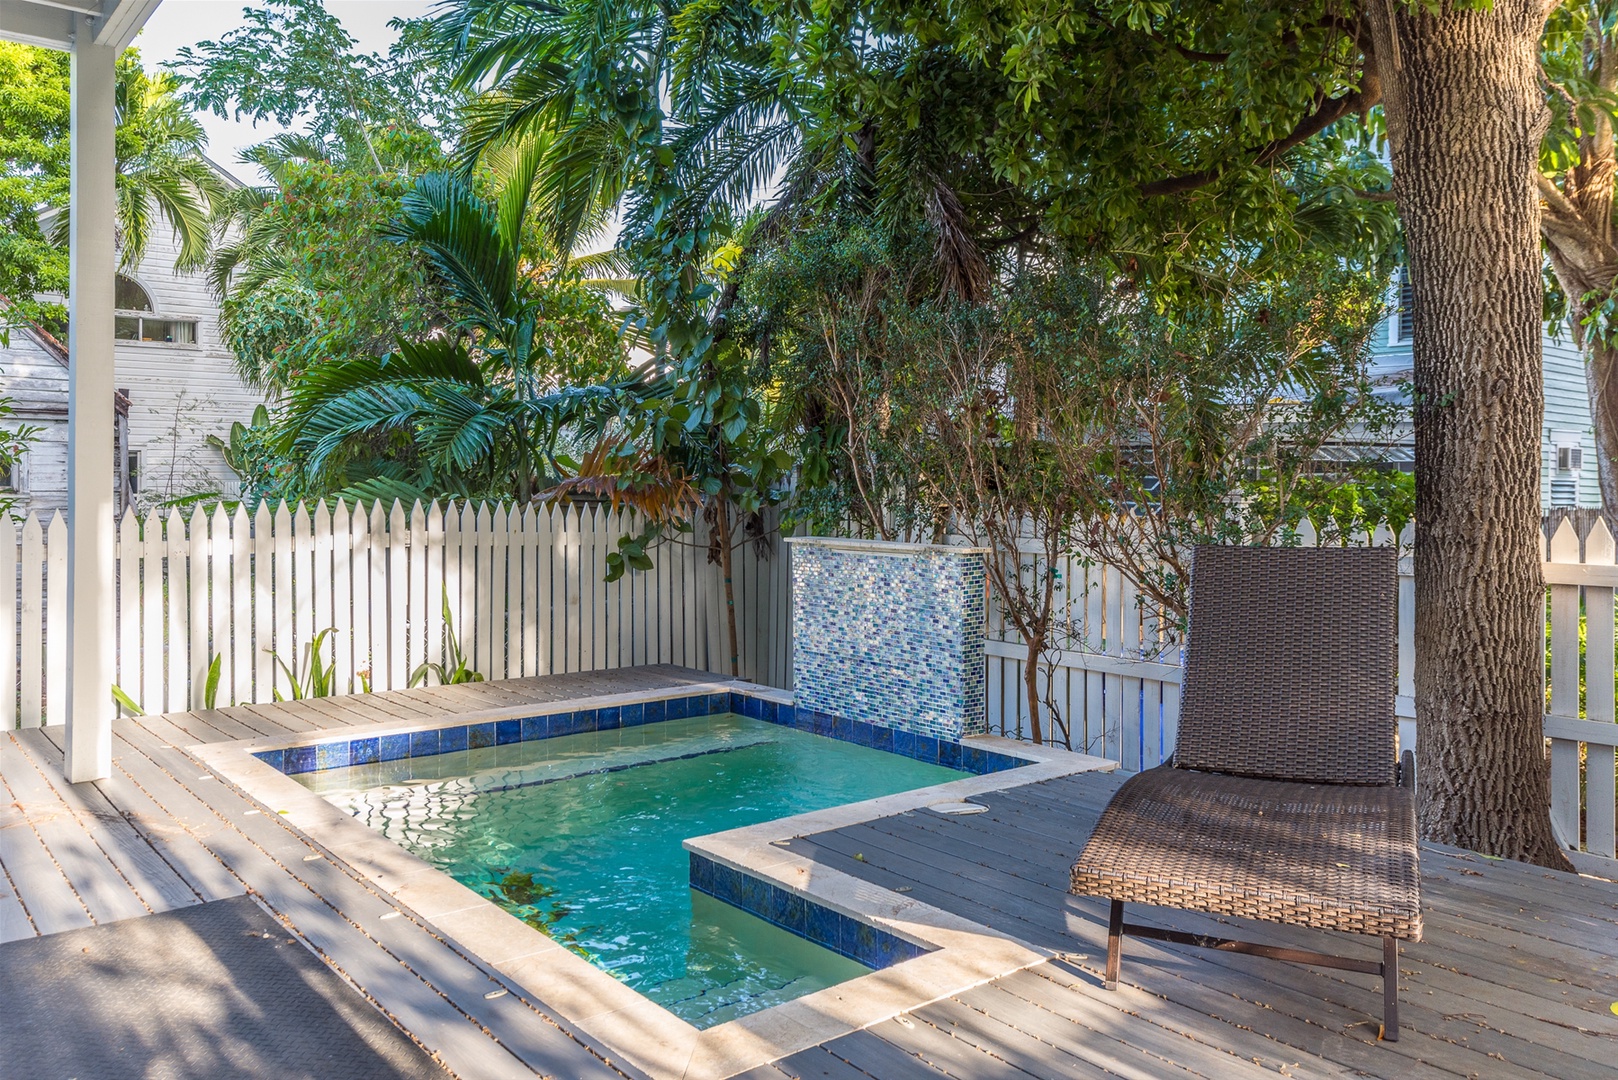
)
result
[(179, 394), (1567, 408)]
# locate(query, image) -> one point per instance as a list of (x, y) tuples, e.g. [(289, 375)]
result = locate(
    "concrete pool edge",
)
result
[(600, 1008)]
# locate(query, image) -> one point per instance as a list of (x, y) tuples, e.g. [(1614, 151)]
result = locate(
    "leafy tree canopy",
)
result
[(161, 173)]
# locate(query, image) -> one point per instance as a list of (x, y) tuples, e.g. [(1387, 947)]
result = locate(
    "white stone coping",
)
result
[(883, 547), (605, 1010)]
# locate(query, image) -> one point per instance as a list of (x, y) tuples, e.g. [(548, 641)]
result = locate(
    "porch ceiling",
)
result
[(50, 22)]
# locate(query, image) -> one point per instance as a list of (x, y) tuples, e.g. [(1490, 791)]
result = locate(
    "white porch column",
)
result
[(92, 266)]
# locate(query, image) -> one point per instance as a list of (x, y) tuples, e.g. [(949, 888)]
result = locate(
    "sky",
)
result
[(179, 23)]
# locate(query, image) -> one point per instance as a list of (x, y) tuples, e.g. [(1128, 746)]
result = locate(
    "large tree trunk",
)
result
[(1465, 116)]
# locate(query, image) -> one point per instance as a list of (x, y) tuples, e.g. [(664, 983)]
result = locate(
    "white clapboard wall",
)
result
[(525, 591)]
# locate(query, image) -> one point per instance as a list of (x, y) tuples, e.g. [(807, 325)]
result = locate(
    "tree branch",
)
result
[(1328, 113)]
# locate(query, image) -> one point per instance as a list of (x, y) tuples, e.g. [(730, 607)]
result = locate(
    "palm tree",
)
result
[(479, 404), (161, 170)]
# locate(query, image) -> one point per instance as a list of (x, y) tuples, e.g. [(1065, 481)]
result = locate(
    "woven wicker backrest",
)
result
[(1289, 667)]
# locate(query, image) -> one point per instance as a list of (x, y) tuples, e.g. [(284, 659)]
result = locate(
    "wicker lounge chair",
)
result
[(1283, 801)]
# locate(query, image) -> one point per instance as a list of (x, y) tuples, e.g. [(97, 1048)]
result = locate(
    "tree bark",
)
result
[(1465, 115)]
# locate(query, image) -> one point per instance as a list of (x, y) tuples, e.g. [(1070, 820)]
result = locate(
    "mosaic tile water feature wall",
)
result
[(890, 634)]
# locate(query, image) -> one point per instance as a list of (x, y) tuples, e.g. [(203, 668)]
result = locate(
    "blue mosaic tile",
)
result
[(299, 759), (631, 715), (451, 739), (535, 728), (974, 759), (275, 759), (332, 755), (656, 712), (507, 732), (675, 709), (394, 748), (717, 703), (785, 714), (423, 743), (479, 736), (882, 738), (751, 707), (607, 719), (892, 639), (949, 754)]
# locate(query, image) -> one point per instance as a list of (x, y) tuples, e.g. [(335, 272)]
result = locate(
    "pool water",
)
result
[(581, 836)]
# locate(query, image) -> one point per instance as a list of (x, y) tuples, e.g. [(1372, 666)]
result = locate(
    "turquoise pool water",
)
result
[(581, 835)]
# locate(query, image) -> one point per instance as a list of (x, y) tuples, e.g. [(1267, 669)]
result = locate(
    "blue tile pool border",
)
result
[(842, 934), (373, 749)]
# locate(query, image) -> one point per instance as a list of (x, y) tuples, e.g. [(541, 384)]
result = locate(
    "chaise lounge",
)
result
[(1284, 801)]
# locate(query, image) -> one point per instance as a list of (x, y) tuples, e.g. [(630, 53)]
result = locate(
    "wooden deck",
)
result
[(1516, 978)]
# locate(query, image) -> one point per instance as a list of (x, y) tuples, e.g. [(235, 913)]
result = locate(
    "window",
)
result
[(132, 323), (1405, 324), (132, 471), (8, 482), (129, 296), (141, 328)]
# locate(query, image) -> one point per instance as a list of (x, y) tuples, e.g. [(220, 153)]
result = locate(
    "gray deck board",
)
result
[(1513, 980)]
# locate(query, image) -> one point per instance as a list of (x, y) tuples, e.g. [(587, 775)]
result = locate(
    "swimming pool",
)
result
[(580, 835)]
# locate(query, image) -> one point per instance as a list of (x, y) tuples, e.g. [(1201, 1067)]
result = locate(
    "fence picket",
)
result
[(198, 550), (1601, 800), (31, 699), (1564, 699), (416, 620), (321, 617), (398, 597), (219, 586), (349, 660), (454, 589), (433, 613), (359, 584), (241, 606), (153, 547), (498, 622), (56, 620), (8, 624), (377, 545), (283, 648), (263, 641)]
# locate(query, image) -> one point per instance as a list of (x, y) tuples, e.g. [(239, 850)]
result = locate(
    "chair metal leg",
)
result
[(1115, 944), (1390, 989)]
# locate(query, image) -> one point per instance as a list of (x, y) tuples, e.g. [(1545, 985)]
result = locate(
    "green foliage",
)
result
[(307, 277), (292, 62), (125, 702), (455, 670), (1068, 404), (474, 408), (314, 676), (161, 174)]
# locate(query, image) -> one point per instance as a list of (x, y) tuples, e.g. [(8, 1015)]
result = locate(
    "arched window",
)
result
[(134, 321), (129, 296)]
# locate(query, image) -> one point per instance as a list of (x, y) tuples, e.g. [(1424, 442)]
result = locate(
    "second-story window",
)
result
[(134, 320)]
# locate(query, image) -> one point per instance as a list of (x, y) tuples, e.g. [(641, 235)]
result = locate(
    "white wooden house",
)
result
[(1567, 437), (176, 385)]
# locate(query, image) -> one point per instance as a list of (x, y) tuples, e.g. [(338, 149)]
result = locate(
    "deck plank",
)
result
[(152, 878), (93, 877)]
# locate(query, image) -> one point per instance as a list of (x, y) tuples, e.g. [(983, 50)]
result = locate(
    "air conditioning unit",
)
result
[(1569, 458)]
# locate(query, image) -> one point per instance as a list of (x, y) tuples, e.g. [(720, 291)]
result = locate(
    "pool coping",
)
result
[(602, 1009)]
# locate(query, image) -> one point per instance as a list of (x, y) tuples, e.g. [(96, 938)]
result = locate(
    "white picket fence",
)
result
[(1583, 741), (1113, 676), (526, 596), (1111, 673), (524, 588)]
